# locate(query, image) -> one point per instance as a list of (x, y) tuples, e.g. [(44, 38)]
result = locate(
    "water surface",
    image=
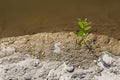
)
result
[(21, 17)]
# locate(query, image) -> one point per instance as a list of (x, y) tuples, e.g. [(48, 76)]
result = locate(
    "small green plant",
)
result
[(83, 26)]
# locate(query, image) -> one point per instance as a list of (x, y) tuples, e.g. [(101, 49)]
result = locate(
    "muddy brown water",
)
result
[(21, 17)]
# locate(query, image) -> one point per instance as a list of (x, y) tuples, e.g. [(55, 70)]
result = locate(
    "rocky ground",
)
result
[(57, 56)]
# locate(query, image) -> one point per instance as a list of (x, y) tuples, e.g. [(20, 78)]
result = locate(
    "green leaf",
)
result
[(80, 33), (80, 24), (87, 28), (81, 40)]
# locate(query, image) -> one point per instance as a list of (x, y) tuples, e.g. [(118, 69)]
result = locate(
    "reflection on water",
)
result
[(20, 17)]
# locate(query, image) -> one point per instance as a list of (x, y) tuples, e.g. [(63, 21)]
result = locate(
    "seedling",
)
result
[(83, 26)]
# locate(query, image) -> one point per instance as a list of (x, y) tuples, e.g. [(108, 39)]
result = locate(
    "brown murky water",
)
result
[(20, 17)]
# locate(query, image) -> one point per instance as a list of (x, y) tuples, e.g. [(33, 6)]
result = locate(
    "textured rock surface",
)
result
[(56, 56), (25, 67)]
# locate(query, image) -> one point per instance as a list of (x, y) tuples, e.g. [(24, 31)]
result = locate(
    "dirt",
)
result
[(42, 46), (53, 20), (21, 17)]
